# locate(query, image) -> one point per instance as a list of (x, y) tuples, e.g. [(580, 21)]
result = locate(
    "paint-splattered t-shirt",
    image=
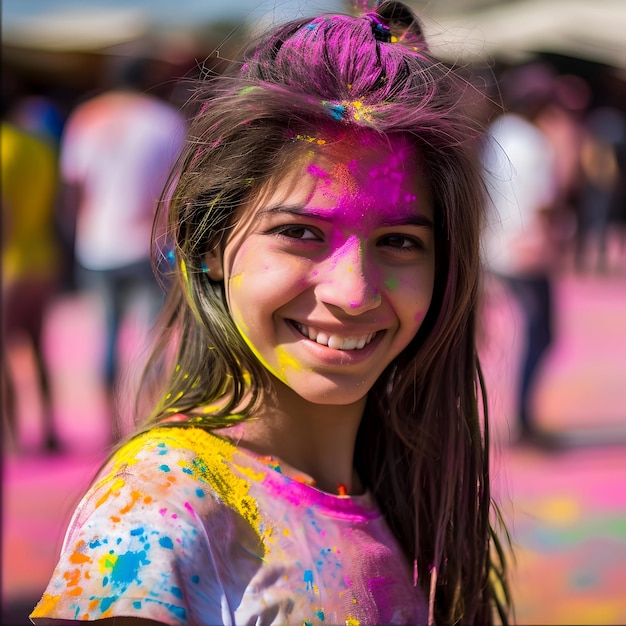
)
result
[(183, 527)]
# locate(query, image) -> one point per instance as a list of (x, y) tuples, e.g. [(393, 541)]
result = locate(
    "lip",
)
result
[(334, 355)]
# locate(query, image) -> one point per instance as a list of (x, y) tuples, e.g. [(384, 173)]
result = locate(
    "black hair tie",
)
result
[(379, 28)]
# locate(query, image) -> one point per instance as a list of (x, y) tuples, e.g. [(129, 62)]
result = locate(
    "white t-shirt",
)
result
[(520, 177), (183, 527), (119, 147)]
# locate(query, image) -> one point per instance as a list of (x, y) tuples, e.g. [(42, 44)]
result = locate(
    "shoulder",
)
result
[(144, 539), (173, 453), (171, 469)]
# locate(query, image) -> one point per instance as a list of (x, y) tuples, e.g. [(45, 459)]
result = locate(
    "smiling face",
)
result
[(329, 277)]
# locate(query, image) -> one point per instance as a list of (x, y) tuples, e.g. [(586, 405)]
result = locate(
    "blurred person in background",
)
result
[(604, 185), (117, 149), (561, 119), (30, 263), (522, 190)]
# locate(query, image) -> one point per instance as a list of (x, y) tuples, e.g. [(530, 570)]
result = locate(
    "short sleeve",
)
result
[(138, 544)]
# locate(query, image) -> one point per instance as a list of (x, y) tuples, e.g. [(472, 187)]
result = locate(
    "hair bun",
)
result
[(402, 22)]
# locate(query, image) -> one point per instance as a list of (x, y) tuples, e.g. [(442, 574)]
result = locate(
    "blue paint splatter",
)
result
[(137, 605), (308, 579), (176, 592), (320, 614), (127, 567), (136, 531), (195, 578), (179, 611), (164, 468), (200, 493), (187, 471), (166, 542), (335, 110), (95, 543), (105, 603)]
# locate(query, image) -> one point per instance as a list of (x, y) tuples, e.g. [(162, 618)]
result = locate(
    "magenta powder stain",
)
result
[(317, 171)]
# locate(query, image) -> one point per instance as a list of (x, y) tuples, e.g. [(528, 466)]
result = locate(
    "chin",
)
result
[(327, 392)]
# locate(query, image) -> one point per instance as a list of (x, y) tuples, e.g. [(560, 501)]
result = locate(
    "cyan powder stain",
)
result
[(308, 579), (166, 542), (127, 567), (105, 603)]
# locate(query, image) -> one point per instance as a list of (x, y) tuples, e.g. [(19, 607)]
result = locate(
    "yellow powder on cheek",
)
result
[(286, 361), (242, 328), (236, 281)]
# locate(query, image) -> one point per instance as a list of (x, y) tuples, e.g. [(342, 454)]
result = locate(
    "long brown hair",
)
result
[(422, 446)]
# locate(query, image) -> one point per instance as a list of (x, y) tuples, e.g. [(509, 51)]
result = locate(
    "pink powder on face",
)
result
[(419, 316), (317, 171), (362, 196)]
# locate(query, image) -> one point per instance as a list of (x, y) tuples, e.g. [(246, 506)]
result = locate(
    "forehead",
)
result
[(365, 156), (366, 166), (361, 178)]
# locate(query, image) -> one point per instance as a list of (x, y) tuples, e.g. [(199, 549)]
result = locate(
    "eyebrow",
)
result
[(408, 219)]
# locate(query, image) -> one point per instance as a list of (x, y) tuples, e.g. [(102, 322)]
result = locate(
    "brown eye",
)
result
[(294, 231), (400, 242)]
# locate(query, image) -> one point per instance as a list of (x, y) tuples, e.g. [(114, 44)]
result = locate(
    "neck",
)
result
[(305, 438)]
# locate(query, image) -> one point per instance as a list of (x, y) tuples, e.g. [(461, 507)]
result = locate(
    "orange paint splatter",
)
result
[(72, 577), (77, 556), (134, 496)]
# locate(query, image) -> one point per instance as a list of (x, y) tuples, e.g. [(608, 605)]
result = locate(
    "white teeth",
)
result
[(322, 338), (335, 342), (350, 343)]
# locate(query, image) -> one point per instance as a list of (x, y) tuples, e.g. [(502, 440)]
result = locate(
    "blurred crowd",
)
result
[(554, 160), (81, 177), (79, 192)]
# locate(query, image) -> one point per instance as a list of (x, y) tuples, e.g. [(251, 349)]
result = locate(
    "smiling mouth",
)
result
[(336, 342)]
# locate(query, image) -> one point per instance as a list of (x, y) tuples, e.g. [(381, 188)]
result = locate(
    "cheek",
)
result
[(418, 318), (411, 294)]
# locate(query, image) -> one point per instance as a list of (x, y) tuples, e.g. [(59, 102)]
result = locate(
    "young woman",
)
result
[(317, 454)]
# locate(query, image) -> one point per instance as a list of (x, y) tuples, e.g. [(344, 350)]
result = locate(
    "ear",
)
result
[(214, 265)]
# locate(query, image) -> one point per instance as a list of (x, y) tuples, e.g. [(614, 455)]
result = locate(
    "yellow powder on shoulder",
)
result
[(211, 464)]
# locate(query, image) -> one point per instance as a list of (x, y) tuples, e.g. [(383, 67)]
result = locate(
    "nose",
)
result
[(347, 280)]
